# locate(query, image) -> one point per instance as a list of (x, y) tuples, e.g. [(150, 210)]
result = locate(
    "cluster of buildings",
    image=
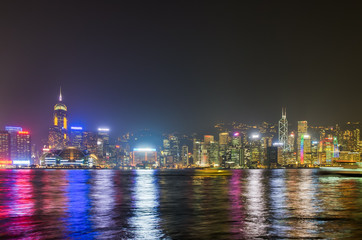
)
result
[(233, 145)]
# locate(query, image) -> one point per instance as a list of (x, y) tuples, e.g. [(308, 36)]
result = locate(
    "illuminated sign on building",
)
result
[(103, 129), (5, 162), (144, 150), (23, 132), (11, 128), (76, 128), (21, 162)]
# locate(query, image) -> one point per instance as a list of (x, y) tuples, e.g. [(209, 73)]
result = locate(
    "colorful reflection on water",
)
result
[(178, 204)]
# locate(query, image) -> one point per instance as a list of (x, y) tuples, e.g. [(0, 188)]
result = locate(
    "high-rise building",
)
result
[(302, 131), (76, 137), (224, 138), (58, 132), (13, 131), (208, 139), (236, 140), (23, 148), (196, 152), (90, 142), (5, 148), (175, 148), (283, 130), (185, 155), (103, 142)]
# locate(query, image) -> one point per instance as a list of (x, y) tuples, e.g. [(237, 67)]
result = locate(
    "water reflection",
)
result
[(77, 219), (237, 207), (145, 221), (103, 203), (277, 203), (256, 214), (112, 204), (22, 204)]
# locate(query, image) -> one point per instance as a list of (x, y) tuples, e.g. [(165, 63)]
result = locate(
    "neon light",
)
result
[(65, 123), (23, 132), (335, 148), (55, 121), (15, 129), (278, 144), (21, 162), (236, 134), (5, 162), (302, 149), (103, 129), (144, 150), (76, 128)]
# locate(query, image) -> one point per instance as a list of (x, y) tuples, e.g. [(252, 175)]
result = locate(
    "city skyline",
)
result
[(211, 129)]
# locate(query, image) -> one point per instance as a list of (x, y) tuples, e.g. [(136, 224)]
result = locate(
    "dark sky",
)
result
[(179, 65)]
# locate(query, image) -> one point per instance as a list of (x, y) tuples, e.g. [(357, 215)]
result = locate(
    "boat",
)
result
[(213, 172), (345, 168)]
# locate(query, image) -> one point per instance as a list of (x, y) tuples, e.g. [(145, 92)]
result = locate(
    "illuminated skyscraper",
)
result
[(196, 152), (13, 131), (90, 142), (23, 148), (76, 137), (103, 143), (283, 130), (58, 133), (185, 155), (302, 131), (4, 148), (208, 139), (224, 138)]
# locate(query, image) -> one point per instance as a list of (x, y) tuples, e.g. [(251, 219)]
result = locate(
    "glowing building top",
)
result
[(60, 105)]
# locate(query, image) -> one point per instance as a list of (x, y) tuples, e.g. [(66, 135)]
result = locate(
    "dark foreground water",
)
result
[(173, 204)]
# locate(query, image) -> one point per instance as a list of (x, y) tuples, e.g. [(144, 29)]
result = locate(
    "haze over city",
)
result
[(179, 66)]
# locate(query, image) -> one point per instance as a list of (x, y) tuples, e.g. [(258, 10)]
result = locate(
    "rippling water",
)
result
[(178, 204)]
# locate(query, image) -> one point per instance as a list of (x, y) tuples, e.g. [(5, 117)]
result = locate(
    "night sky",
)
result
[(179, 66)]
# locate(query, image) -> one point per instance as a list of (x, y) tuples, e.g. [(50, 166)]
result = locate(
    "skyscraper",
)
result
[(224, 138), (283, 130), (302, 131), (4, 148), (58, 132), (90, 142), (76, 137), (103, 142), (13, 131), (23, 148)]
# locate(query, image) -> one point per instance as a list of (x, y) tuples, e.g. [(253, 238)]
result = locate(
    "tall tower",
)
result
[(58, 132), (302, 141), (283, 130)]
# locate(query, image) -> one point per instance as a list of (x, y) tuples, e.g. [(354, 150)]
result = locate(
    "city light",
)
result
[(236, 134), (144, 149), (21, 162), (103, 129), (12, 128), (278, 144), (5, 162), (254, 136), (23, 132), (76, 128)]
